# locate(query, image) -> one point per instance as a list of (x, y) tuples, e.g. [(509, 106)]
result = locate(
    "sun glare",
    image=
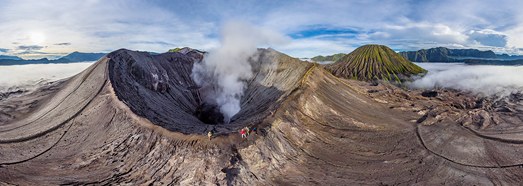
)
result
[(37, 38)]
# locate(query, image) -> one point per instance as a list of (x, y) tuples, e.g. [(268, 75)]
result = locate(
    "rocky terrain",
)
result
[(136, 118)]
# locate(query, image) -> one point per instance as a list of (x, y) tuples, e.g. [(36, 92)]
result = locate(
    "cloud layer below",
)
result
[(482, 80), (26, 76)]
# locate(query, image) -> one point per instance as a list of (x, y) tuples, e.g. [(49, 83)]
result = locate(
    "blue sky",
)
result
[(50, 28)]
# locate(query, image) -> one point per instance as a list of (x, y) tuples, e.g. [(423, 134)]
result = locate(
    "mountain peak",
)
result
[(370, 62), (80, 56)]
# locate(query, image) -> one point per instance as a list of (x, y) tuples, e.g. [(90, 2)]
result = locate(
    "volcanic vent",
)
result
[(160, 88)]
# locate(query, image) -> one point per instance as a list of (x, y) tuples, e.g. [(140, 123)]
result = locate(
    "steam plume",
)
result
[(224, 70)]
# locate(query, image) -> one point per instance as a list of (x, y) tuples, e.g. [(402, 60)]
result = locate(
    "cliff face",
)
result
[(442, 54), (128, 120), (373, 62)]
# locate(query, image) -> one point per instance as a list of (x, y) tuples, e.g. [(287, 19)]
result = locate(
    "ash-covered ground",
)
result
[(118, 123)]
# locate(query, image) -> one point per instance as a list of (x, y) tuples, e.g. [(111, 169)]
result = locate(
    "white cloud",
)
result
[(26, 76), (424, 31), (314, 47), (482, 80), (488, 37), (515, 36)]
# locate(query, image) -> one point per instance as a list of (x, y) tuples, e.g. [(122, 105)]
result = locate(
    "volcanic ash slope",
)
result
[(131, 119)]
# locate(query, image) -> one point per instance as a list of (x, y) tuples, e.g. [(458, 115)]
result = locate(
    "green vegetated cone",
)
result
[(372, 62), (175, 50)]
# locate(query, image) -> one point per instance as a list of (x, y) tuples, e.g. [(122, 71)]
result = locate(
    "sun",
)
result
[(37, 38)]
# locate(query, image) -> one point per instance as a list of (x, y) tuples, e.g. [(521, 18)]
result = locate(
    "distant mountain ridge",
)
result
[(334, 57), (10, 57), (80, 56), (516, 62), (442, 54), (70, 58)]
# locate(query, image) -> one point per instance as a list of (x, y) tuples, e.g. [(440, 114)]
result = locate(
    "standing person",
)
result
[(243, 133), (254, 129), (247, 130), (209, 134)]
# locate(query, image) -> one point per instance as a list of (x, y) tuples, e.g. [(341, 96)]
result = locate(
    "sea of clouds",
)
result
[(483, 80), (28, 76)]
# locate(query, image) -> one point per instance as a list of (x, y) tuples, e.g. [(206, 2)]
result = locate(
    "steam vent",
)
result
[(372, 62), (136, 118)]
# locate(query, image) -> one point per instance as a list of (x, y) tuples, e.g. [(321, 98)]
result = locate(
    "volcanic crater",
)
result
[(161, 89)]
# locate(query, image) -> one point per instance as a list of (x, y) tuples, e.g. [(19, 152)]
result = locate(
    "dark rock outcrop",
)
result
[(429, 93)]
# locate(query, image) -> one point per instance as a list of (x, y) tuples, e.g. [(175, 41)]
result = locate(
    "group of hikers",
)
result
[(244, 132)]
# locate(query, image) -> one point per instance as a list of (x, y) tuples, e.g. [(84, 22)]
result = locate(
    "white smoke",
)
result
[(480, 79), (225, 69)]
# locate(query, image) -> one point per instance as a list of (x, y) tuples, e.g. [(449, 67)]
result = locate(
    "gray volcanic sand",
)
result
[(130, 119)]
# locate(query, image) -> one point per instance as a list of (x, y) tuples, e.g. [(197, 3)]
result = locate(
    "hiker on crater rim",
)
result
[(247, 130), (243, 132), (210, 134)]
